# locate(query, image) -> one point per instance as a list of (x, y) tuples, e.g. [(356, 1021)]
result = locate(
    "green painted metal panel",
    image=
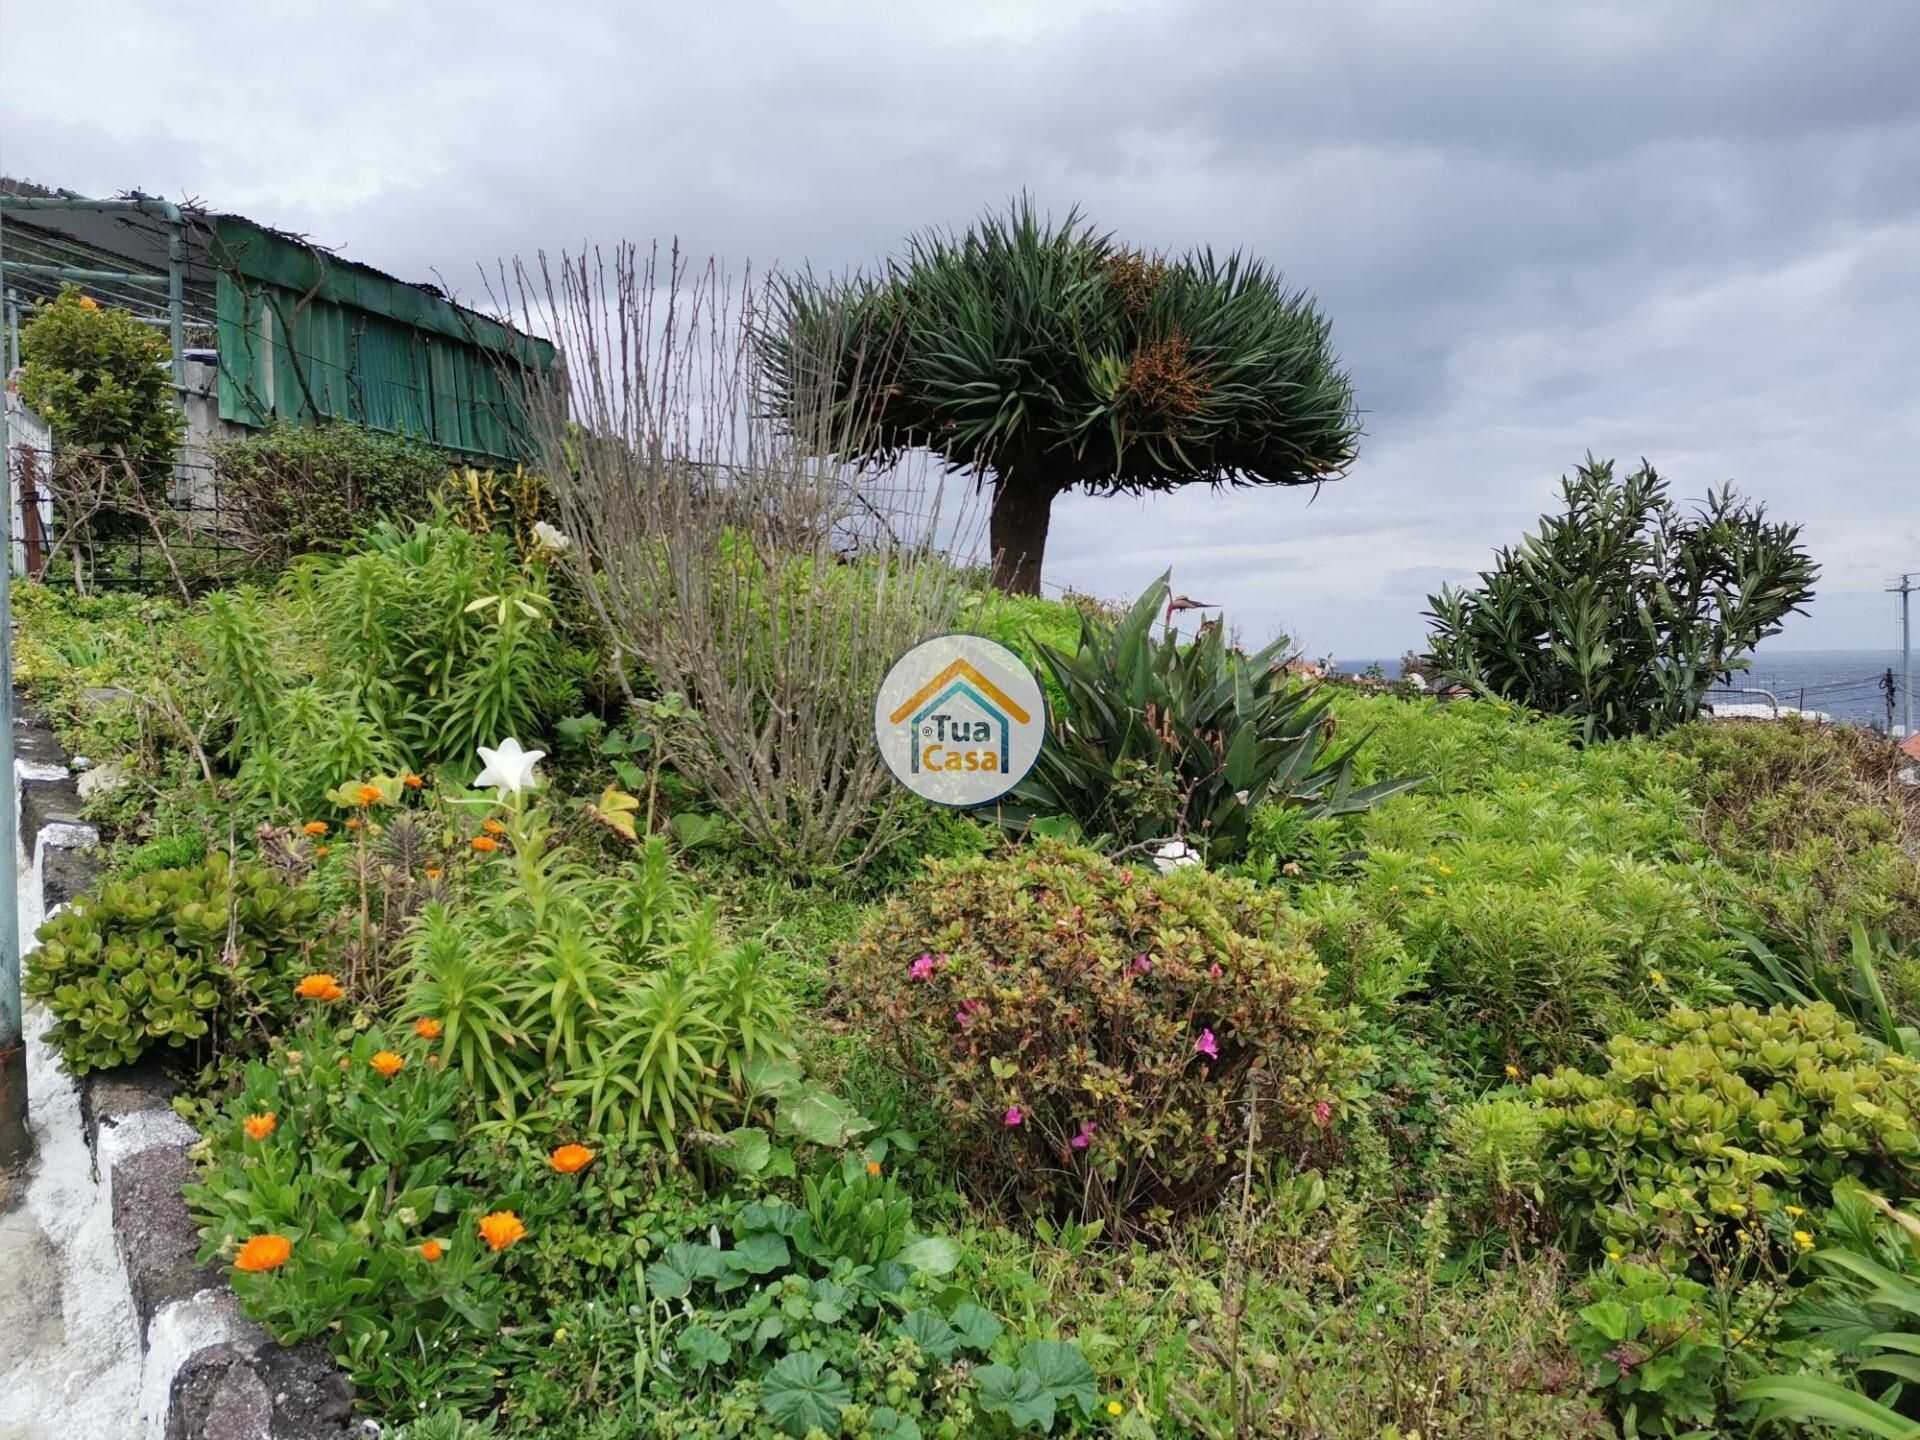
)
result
[(305, 335)]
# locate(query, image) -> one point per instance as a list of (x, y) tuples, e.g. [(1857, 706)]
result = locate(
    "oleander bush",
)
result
[(1096, 1034), (195, 959)]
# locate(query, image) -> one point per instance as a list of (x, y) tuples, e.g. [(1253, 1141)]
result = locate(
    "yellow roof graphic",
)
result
[(959, 667)]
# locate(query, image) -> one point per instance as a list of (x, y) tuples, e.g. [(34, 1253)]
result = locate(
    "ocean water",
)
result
[(1846, 684)]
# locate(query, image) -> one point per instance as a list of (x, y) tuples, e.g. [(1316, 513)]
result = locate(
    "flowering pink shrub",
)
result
[(1095, 1031)]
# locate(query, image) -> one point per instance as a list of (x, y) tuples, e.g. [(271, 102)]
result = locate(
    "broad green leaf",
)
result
[(703, 1347), (801, 1393), (1016, 1394), (934, 1254), (746, 1151), (976, 1327), (934, 1336), (1062, 1370), (758, 1254)]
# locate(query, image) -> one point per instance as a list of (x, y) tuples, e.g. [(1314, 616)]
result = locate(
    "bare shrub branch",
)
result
[(723, 550)]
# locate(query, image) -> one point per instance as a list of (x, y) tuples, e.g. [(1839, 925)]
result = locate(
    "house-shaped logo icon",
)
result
[(959, 705), (960, 720)]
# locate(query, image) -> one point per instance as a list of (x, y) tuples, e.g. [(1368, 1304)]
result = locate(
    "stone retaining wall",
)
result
[(207, 1372)]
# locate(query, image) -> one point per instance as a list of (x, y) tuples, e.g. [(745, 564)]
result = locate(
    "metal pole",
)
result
[(1906, 654), (16, 1140), (177, 301)]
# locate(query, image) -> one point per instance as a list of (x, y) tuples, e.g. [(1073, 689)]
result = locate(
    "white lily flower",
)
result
[(548, 538), (509, 769)]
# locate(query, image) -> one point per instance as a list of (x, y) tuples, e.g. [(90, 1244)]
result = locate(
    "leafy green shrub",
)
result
[(1541, 950), (352, 1160), (1623, 612), (296, 490), (99, 377), (1723, 1113), (1817, 836), (1154, 738), (1095, 1033), (407, 653), (163, 852), (1493, 1161), (617, 995), (1651, 1342), (834, 1317), (170, 957)]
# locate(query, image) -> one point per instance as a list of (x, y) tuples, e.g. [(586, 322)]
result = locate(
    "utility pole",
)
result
[(16, 1140), (1904, 589)]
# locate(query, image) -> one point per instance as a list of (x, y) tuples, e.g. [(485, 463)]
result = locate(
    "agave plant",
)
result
[(1154, 737)]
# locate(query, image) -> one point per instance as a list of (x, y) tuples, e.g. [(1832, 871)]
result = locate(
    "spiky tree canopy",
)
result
[(1048, 357)]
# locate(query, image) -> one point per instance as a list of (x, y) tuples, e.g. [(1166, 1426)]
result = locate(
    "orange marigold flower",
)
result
[(344, 1062), (321, 851), (412, 782), (387, 1063), (432, 1251), (485, 844), (369, 795), (427, 1028), (873, 1167), (87, 302), (315, 827), (263, 1252), (258, 1127), (501, 1229), (354, 824), (319, 987), (434, 872), (569, 1158), (493, 827)]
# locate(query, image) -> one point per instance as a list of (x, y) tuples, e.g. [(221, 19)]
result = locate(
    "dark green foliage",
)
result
[(1624, 611), (171, 957), (290, 491), (1152, 737), (98, 375), (1058, 358)]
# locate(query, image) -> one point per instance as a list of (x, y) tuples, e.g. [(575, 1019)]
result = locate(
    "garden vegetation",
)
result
[(589, 1042)]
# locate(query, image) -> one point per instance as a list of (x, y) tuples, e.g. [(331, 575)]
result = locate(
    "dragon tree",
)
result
[(1044, 358)]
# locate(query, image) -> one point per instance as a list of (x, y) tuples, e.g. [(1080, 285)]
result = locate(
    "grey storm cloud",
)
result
[(1679, 230)]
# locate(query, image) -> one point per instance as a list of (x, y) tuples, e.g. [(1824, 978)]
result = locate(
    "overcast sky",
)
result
[(1687, 231)]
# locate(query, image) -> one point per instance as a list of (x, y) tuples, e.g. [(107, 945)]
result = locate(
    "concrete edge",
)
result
[(207, 1372)]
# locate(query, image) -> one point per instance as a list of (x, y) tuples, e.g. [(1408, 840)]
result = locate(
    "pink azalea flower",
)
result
[(1214, 971), (921, 968), (1322, 1112), (1085, 1137), (1206, 1045), (964, 1015), (1014, 1115), (1141, 964)]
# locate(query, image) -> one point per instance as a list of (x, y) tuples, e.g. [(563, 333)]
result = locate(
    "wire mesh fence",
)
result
[(92, 523)]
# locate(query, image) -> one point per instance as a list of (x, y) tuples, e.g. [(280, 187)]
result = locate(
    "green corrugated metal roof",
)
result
[(306, 334)]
